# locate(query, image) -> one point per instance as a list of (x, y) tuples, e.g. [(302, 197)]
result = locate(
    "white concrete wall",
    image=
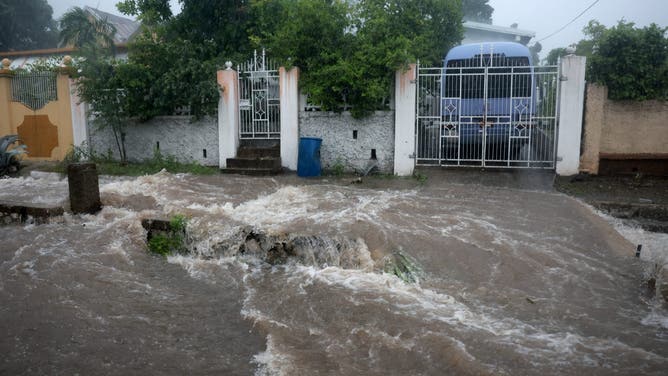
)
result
[(404, 123), (339, 146), (178, 136), (228, 115), (571, 106), (289, 86)]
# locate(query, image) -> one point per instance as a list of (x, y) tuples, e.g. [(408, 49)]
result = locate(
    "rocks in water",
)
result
[(21, 213), (315, 250)]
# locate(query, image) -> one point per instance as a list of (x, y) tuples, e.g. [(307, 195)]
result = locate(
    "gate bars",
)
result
[(259, 99), (503, 117)]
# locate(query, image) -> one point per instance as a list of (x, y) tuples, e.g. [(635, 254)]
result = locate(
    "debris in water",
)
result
[(530, 300), (403, 266)]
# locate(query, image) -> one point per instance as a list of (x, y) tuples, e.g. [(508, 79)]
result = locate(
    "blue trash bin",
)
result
[(309, 157)]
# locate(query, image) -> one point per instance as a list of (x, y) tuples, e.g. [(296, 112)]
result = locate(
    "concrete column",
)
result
[(5, 99), (593, 125), (404, 121), (84, 188), (228, 114), (571, 105), (289, 84), (79, 116)]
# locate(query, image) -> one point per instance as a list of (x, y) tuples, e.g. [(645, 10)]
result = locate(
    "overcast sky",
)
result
[(541, 16)]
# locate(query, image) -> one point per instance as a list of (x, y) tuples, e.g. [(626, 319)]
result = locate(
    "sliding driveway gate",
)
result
[(504, 116)]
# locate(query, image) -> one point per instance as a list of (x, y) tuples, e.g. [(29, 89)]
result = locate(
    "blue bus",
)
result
[(488, 97)]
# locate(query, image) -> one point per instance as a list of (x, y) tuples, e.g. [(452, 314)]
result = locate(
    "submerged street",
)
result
[(511, 279)]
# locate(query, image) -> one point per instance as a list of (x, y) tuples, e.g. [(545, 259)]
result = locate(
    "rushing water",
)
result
[(512, 282)]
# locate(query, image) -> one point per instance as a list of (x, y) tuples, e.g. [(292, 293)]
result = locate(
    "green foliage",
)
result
[(632, 62), (403, 266), (173, 241), (338, 168), (26, 25), (420, 177), (79, 28), (554, 55), (106, 165), (477, 10), (348, 52), (150, 12)]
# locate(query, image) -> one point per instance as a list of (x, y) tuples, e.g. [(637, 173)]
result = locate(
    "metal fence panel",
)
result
[(34, 89), (489, 116)]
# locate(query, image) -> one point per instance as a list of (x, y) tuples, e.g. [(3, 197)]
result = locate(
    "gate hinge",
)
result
[(563, 78), (411, 156), (413, 81)]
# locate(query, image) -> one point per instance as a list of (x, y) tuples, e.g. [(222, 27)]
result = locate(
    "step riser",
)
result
[(252, 152), (253, 172), (270, 163)]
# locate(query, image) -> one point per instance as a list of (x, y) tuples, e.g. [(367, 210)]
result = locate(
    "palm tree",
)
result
[(80, 29)]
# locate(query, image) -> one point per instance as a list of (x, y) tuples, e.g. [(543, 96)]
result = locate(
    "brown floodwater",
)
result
[(510, 281)]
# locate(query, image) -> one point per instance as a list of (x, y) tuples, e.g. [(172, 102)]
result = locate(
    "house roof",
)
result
[(125, 27), (499, 29)]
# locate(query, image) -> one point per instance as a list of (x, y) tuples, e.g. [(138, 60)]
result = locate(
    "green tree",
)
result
[(631, 61), (26, 25), (101, 85), (149, 12), (80, 29), (477, 10), (348, 52), (555, 54), (535, 50)]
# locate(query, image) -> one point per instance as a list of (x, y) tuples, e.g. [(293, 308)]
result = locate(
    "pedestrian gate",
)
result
[(259, 99), (489, 116)]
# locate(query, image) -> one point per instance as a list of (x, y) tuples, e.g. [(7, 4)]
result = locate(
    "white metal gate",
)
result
[(487, 116), (259, 99)]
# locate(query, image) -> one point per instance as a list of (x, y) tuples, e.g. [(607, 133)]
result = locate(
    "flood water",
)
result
[(512, 281)]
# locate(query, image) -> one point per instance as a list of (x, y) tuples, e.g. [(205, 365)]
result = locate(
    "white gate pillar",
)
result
[(79, 111), (404, 121), (228, 114), (571, 105), (289, 86)]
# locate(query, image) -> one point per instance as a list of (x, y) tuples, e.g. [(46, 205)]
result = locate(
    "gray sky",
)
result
[(542, 16), (546, 16)]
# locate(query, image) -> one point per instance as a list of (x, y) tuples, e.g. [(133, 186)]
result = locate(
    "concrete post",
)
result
[(593, 125), (228, 114), (571, 105), (5, 98), (404, 121), (84, 188), (79, 116), (289, 84)]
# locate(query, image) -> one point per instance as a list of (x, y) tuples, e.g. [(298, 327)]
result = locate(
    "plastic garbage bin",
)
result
[(309, 157)]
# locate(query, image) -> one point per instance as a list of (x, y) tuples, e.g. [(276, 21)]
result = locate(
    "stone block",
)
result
[(84, 188)]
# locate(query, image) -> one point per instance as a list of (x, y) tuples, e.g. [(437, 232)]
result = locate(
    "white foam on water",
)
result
[(413, 300), (272, 362), (654, 244), (275, 211), (204, 269), (33, 190)]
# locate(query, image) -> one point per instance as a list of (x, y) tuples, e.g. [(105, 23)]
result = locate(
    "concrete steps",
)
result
[(256, 157)]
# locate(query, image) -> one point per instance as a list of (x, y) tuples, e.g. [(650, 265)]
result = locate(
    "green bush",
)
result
[(171, 242), (632, 62)]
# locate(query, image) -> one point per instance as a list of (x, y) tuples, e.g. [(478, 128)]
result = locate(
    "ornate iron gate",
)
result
[(259, 99), (504, 116)]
